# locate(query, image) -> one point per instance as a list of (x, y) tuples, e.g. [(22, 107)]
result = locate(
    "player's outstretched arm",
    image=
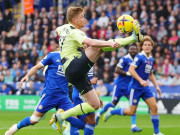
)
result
[(154, 81), (136, 76), (31, 72), (120, 71), (100, 43)]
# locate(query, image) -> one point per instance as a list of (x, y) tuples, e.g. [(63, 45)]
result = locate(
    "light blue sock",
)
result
[(155, 121), (133, 119), (119, 111), (25, 122), (89, 129), (74, 130), (106, 108), (78, 123)]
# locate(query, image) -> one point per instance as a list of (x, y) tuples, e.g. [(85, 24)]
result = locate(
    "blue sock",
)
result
[(155, 121), (80, 124), (133, 119), (106, 107), (25, 122), (89, 129), (74, 130), (119, 111)]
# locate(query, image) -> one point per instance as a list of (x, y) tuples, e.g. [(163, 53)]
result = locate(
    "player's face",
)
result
[(133, 50), (80, 20), (147, 47)]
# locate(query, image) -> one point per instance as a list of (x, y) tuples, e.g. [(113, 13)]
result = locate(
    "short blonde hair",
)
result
[(73, 12), (146, 38)]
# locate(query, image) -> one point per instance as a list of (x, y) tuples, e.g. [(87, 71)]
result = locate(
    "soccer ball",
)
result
[(125, 23)]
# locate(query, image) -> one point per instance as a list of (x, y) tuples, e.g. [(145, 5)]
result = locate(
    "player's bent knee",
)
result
[(34, 119), (96, 107), (154, 109)]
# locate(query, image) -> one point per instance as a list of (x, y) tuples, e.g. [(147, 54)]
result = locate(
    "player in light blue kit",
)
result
[(142, 69), (88, 118), (121, 84), (54, 95)]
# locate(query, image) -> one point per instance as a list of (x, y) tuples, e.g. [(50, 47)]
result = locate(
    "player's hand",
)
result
[(115, 45), (159, 91), (144, 83), (94, 80), (24, 79), (101, 103)]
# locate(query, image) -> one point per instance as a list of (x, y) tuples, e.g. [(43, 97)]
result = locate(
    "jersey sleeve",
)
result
[(79, 36), (121, 63), (47, 60), (58, 29), (137, 61)]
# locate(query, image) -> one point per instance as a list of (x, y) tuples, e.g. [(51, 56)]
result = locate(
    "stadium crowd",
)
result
[(24, 42)]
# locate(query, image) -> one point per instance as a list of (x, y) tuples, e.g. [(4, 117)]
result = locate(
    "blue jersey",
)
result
[(55, 81), (144, 66), (123, 80)]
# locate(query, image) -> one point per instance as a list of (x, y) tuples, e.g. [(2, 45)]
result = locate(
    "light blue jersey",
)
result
[(144, 66), (55, 80)]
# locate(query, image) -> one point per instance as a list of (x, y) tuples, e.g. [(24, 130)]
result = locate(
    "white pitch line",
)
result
[(165, 126)]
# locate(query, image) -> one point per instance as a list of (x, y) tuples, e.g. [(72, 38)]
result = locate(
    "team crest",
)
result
[(40, 107), (134, 101), (57, 60), (115, 98)]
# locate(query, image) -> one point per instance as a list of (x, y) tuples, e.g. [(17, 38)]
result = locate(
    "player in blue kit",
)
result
[(121, 84), (54, 95), (142, 69)]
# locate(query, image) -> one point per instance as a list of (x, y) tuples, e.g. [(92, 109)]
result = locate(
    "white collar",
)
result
[(142, 52), (130, 56)]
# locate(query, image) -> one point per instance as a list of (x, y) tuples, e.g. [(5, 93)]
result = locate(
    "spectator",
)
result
[(175, 80), (101, 89), (5, 90), (8, 77), (161, 33), (167, 68), (103, 20), (165, 80), (30, 90)]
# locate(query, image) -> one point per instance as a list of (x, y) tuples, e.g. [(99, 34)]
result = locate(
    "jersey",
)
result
[(144, 66), (55, 81), (70, 42), (122, 80)]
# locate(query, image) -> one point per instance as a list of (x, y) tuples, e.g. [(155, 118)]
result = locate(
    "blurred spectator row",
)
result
[(24, 42)]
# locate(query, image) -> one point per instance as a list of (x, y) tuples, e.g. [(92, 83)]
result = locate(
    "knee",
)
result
[(96, 107), (34, 119), (90, 119), (154, 109), (132, 112)]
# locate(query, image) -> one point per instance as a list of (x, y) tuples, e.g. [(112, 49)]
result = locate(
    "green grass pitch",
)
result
[(116, 125)]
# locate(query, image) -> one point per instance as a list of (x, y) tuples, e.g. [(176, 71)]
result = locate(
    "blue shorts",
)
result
[(136, 94), (78, 99), (48, 102), (118, 92)]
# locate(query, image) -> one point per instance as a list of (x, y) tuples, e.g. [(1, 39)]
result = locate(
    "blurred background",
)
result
[(27, 34)]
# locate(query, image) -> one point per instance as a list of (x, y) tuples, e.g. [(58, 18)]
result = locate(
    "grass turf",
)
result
[(116, 125)]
